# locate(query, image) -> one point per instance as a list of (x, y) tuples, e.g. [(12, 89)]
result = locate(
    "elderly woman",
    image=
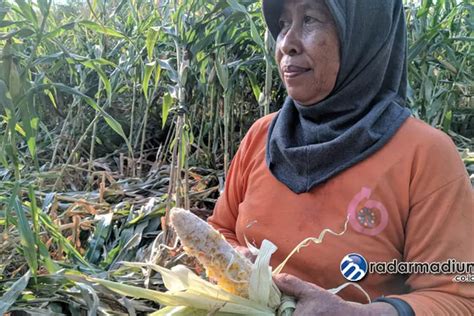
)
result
[(344, 146)]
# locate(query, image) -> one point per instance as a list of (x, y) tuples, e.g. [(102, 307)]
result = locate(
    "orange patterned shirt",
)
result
[(411, 201)]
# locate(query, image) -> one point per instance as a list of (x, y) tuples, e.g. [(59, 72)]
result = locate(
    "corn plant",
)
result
[(440, 60), (112, 112)]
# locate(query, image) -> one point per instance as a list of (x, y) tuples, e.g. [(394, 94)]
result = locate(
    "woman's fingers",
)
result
[(293, 286)]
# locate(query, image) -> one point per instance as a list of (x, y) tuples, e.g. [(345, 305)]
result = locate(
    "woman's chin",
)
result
[(304, 95), (303, 100)]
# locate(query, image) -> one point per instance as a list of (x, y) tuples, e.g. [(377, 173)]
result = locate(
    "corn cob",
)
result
[(224, 265)]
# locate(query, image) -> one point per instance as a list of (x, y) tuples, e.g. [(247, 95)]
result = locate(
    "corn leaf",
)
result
[(180, 311), (63, 241), (107, 117), (190, 290), (261, 281), (90, 297), (102, 29), (103, 77), (222, 71), (10, 296), (101, 234), (27, 11), (149, 67), (167, 100), (27, 236), (151, 38)]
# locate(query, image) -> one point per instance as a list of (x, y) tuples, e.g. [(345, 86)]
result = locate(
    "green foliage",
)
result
[(151, 84), (142, 54), (441, 61), (135, 63), (11, 295)]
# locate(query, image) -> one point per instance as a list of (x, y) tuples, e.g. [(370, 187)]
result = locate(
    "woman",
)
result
[(342, 145)]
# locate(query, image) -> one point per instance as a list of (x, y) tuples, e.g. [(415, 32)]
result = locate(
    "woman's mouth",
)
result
[(292, 71)]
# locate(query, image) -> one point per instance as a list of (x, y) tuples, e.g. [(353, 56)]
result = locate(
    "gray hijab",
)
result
[(307, 145)]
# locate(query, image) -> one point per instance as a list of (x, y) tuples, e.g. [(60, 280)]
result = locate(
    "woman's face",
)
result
[(307, 50)]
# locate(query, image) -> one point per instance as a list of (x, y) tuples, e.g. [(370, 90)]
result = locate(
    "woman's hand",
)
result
[(314, 300)]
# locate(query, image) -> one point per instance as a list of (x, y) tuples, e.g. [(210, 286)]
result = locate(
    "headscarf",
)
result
[(307, 145)]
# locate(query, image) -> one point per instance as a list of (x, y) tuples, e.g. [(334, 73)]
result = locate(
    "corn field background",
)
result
[(113, 111)]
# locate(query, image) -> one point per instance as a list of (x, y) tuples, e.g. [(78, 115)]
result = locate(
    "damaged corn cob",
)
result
[(243, 288), (224, 265)]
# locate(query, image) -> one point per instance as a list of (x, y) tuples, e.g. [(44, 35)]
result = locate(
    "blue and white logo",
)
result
[(353, 267)]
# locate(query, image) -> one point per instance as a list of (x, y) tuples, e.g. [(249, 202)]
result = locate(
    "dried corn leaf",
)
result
[(191, 291), (261, 287), (187, 311), (343, 286), (309, 240)]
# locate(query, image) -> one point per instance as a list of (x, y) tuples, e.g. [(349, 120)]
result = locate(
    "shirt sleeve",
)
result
[(440, 227), (225, 212)]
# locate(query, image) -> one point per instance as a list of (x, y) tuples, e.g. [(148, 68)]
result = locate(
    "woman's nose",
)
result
[(291, 42)]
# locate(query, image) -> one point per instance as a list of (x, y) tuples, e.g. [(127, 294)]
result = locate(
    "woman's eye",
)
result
[(308, 19), (283, 24)]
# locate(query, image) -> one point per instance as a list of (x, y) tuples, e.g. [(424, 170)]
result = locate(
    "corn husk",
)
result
[(186, 311), (259, 289), (189, 294), (186, 289)]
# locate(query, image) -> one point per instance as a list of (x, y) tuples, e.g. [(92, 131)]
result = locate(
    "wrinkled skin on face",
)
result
[(307, 50)]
